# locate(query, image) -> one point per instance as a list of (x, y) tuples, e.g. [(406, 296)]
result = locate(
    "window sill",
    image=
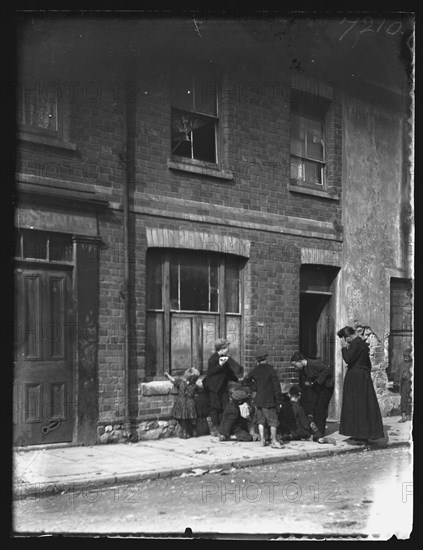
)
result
[(303, 189), (200, 168), (157, 387), (46, 140)]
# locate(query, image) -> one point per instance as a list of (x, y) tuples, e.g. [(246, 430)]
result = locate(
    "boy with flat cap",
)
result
[(268, 397), (221, 369)]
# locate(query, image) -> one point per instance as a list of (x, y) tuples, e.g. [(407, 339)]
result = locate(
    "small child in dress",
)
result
[(184, 410)]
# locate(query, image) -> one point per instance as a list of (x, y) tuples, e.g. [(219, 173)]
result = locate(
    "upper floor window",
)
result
[(308, 157), (39, 108), (194, 117)]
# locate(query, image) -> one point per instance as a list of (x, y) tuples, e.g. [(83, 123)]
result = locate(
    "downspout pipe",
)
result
[(125, 221)]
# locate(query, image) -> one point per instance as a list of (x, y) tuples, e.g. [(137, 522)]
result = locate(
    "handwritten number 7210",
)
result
[(391, 29)]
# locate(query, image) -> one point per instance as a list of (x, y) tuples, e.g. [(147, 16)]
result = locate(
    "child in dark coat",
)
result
[(184, 410), (295, 424), (221, 369), (234, 422), (268, 397)]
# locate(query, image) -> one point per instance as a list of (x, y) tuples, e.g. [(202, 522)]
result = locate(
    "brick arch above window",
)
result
[(321, 257), (195, 240)]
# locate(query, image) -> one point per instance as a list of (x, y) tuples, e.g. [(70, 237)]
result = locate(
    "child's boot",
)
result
[(212, 428)]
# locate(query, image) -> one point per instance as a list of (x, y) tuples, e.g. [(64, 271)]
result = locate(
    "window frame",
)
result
[(165, 274), (56, 134), (321, 163), (316, 108), (165, 313), (213, 118), (51, 239)]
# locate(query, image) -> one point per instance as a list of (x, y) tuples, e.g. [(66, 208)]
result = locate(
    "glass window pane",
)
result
[(194, 283), (154, 343), (205, 96), (298, 128), (17, 249), (297, 169), (313, 172), (154, 280), (174, 282), (204, 137), (314, 140), (35, 244), (214, 283), (297, 148), (40, 110), (232, 286), (181, 133), (60, 248)]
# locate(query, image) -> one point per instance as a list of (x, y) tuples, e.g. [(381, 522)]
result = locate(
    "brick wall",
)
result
[(255, 204)]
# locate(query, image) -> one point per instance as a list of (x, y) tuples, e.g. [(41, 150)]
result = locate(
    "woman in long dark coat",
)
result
[(360, 415)]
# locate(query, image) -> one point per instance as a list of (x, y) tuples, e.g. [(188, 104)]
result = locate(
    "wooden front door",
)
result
[(401, 335), (43, 375)]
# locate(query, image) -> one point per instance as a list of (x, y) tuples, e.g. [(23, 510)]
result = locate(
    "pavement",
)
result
[(42, 471)]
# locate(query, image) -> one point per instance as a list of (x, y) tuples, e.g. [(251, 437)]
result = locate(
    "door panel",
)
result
[(313, 326), (181, 344), (43, 362), (233, 334), (317, 332), (401, 332), (192, 341), (210, 334), (32, 316)]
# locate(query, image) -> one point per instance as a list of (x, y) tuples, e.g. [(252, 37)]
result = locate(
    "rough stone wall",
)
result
[(388, 401)]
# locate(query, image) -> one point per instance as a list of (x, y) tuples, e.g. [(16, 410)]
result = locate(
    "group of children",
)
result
[(256, 406)]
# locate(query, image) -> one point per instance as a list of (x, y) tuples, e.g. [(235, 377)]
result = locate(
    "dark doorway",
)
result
[(317, 313), (315, 326)]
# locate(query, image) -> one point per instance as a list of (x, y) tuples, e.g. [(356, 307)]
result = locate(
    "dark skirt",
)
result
[(184, 408), (360, 414)]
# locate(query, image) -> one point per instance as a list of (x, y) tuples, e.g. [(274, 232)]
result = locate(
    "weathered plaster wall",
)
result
[(371, 199), (373, 189)]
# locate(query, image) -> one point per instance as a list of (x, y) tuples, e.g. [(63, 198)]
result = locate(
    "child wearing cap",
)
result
[(221, 369), (268, 397), (184, 410)]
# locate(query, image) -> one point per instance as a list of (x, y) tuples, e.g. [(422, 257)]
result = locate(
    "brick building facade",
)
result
[(165, 198)]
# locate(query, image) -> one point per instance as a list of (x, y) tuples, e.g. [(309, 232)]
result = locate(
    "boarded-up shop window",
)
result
[(192, 299)]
